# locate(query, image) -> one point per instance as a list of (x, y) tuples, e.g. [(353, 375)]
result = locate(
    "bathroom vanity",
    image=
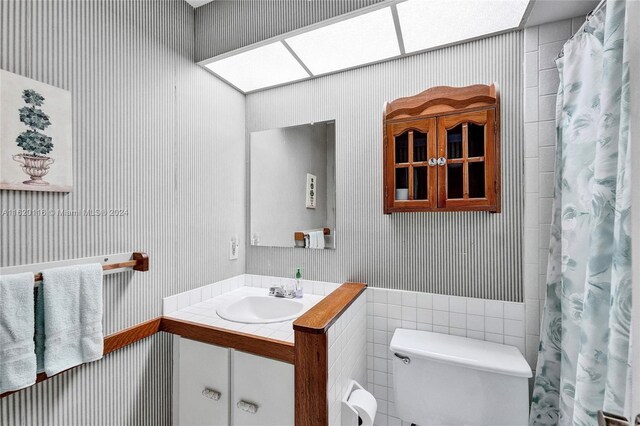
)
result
[(276, 367)]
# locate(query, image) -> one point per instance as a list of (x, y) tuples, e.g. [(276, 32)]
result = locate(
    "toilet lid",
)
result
[(462, 351)]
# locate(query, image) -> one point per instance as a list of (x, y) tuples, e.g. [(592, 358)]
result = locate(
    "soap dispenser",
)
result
[(298, 284)]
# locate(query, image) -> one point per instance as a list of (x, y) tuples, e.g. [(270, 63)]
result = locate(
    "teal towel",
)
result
[(39, 338), (72, 316), (17, 352)]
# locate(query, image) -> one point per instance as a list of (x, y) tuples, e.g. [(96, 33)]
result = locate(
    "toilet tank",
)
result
[(440, 379)]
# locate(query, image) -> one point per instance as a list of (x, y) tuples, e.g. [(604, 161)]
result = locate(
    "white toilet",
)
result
[(449, 380)]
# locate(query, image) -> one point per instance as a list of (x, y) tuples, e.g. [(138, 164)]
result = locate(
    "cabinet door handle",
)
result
[(442, 161), (211, 394), (249, 407), (433, 161)]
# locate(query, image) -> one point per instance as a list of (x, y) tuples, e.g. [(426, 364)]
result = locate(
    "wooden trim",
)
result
[(312, 353), (319, 318), (410, 172), (484, 118), (498, 155), (131, 335), (270, 348), (311, 378), (442, 99), (408, 120), (385, 167), (491, 179), (467, 207), (465, 156), (113, 342), (390, 165)]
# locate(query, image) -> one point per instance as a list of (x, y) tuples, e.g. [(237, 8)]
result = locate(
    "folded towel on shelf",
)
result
[(316, 239), (17, 352), (72, 316), (312, 239)]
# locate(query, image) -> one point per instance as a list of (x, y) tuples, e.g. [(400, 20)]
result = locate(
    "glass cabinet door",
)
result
[(465, 149), (410, 155)]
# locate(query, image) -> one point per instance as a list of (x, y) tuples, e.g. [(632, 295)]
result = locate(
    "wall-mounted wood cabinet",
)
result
[(442, 150)]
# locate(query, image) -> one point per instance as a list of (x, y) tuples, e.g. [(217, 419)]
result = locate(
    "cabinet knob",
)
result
[(442, 161), (211, 394), (249, 407), (433, 161)]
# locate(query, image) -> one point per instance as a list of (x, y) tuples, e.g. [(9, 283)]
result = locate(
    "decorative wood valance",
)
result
[(442, 100)]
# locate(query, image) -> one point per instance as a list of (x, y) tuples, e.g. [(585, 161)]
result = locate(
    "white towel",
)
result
[(17, 324), (316, 239), (72, 316)]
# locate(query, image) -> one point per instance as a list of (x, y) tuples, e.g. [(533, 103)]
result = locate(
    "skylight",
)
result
[(426, 24), (369, 37), (261, 67), (357, 41)]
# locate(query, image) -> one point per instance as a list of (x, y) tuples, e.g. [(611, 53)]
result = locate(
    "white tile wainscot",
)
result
[(482, 319), (347, 355), (199, 305)]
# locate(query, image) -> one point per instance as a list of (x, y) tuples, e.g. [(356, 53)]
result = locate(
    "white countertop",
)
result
[(205, 313)]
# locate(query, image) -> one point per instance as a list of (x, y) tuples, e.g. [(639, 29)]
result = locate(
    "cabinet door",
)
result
[(467, 161), (203, 375), (264, 384), (410, 172)]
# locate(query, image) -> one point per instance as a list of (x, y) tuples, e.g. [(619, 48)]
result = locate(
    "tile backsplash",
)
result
[(482, 319)]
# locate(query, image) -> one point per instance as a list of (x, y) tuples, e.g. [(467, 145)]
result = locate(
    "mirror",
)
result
[(293, 186)]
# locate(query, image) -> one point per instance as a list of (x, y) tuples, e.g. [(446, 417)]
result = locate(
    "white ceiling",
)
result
[(544, 11), (388, 30), (198, 3)]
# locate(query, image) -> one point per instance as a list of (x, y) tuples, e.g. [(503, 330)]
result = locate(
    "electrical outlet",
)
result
[(234, 248)]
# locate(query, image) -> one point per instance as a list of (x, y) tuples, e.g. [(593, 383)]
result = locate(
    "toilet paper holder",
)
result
[(350, 415)]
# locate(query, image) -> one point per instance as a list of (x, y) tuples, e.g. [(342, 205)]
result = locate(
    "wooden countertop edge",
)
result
[(263, 346), (320, 317)]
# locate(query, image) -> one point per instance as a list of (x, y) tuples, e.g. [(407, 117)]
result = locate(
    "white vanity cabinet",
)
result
[(266, 383), (219, 386), (203, 389)]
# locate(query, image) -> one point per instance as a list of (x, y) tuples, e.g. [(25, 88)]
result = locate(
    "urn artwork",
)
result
[(37, 145), (36, 138)]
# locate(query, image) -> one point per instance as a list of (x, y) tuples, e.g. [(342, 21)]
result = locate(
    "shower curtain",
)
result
[(584, 355)]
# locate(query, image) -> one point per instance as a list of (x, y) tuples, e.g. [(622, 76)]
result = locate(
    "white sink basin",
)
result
[(260, 309)]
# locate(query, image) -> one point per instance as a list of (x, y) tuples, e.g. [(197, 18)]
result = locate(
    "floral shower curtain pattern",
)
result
[(583, 360)]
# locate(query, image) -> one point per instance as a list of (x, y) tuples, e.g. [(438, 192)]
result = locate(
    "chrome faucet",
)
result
[(280, 291)]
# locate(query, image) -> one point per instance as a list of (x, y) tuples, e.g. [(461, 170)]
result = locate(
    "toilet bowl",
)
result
[(450, 380)]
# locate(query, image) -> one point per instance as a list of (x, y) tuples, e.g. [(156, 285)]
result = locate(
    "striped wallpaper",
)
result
[(472, 254), (153, 134), (162, 138)]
